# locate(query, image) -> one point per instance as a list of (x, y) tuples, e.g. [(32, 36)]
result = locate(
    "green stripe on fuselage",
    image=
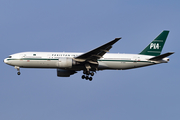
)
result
[(98, 60), (125, 61), (33, 59)]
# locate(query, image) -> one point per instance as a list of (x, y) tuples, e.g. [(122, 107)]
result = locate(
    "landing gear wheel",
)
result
[(83, 76), (87, 78), (92, 74), (90, 79), (18, 73), (87, 75)]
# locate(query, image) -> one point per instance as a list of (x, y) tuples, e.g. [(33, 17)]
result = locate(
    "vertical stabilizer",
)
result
[(156, 46)]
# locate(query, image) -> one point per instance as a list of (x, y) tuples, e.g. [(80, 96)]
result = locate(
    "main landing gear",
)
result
[(86, 76), (18, 69)]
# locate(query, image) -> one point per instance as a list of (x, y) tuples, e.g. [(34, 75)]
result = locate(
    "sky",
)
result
[(148, 93)]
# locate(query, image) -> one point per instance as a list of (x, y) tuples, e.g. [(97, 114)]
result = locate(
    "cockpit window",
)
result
[(10, 57)]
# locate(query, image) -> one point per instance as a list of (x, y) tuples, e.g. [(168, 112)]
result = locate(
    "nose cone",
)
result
[(5, 61)]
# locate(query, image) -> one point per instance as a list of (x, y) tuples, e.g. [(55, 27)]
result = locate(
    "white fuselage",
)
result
[(52, 59)]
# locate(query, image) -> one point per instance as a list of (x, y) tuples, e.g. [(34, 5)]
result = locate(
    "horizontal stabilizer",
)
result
[(160, 57)]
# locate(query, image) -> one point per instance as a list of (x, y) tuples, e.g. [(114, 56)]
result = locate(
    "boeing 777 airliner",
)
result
[(68, 63)]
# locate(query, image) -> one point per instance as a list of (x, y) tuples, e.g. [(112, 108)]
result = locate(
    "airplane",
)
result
[(68, 63)]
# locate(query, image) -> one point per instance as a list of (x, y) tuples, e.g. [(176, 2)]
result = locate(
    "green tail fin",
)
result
[(156, 46)]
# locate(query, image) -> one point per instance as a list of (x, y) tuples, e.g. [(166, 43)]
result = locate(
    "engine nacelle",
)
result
[(65, 73), (66, 62)]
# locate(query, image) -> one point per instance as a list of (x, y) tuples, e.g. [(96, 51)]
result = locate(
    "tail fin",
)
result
[(156, 46)]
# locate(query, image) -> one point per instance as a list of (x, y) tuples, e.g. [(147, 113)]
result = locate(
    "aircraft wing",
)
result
[(95, 54)]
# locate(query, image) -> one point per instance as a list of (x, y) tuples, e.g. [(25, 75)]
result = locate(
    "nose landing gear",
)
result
[(18, 73), (18, 69)]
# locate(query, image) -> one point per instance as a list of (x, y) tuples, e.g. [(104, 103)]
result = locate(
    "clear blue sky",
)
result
[(149, 93)]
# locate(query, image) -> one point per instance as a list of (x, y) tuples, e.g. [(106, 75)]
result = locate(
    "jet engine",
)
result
[(66, 62), (65, 73)]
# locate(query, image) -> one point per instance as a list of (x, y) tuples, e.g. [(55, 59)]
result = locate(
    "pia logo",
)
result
[(154, 46)]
